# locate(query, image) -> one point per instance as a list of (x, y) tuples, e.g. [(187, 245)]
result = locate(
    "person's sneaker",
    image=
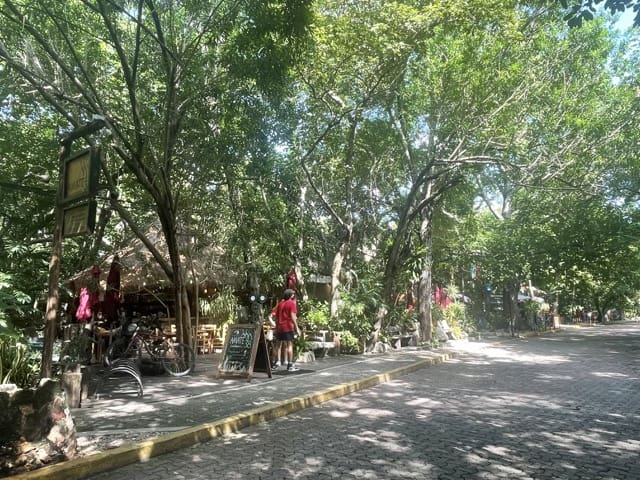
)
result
[(292, 368), (275, 366)]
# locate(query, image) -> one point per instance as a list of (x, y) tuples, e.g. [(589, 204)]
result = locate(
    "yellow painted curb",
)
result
[(140, 452)]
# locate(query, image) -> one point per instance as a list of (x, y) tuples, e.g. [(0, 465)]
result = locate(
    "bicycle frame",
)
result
[(177, 359), (149, 342)]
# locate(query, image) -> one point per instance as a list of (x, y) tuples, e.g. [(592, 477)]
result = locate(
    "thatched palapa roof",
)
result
[(140, 270)]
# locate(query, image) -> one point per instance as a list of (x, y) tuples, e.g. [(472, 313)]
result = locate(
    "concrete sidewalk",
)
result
[(177, 412)]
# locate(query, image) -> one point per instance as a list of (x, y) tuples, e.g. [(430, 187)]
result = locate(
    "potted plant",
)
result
[(74, 357), (302, 351)]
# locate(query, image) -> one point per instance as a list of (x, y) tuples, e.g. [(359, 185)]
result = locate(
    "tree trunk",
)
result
[(336, 269), (106, 213), (302, 288), (381, 312), (54, 273), (181, 296), (186, 315), (393, 263), (424, 286), (196, 302)]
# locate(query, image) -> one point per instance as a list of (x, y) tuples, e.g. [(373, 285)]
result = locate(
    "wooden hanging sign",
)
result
[(245, 351)]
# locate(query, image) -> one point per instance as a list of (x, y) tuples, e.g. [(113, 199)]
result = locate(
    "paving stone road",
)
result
[(560, 406)]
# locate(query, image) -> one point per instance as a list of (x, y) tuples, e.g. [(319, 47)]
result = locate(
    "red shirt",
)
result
[(283, 313), (291, 280)]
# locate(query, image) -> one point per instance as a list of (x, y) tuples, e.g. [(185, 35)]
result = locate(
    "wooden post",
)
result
[(56, 247), (54, 272)]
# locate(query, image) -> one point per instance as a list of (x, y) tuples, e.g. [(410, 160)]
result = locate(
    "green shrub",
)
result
[(77, 350), (16, 309), (315, 316), (459, 320), (456, 316), (300, 345), (18, 364), (349, 343), (222, 308), (437, 314), (531, 308), (353, 320), (408, 319), (357, 309)]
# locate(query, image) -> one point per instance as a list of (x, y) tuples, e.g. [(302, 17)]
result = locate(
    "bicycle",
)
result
[(177, 359)]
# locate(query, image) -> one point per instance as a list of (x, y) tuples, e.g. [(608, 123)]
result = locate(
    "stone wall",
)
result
[(36, 427)]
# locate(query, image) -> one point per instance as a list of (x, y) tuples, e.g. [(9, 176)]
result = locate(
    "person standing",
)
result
[(410, 299), (291, 280), (111, 301), (286, 319)]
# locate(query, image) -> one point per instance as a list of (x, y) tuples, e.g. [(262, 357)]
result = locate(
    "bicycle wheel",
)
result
[(118, 349), (178, 359)]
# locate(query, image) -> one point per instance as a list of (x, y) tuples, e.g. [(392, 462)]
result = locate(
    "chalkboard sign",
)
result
[(245, 350)]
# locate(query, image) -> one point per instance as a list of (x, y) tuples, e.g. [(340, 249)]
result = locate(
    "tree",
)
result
[(25, 186), (447, 112), (152, 70), (344, 166), (584, 10), (570, 227)]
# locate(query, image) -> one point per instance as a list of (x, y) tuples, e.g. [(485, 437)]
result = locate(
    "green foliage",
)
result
[(300, 345), (578, 12), (587, 253), (15, 307), (353, 323), (403, 318), (437, 314), (349, 343), (372, 111), (458, 320), (77, 350), (456, 316), (18, 364), (531, 307), (456, 312), (356, 311), (142, 69), (28, 159), (222, 308), (314, 315)]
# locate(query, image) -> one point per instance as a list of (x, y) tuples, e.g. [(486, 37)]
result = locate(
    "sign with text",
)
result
[(80, 219), (81, 173), (245, 348)]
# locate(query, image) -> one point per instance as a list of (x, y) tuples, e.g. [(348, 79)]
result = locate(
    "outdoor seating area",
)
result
[(209, 338)]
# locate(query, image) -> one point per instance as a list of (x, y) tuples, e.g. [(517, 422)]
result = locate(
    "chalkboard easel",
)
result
[(245, 351)]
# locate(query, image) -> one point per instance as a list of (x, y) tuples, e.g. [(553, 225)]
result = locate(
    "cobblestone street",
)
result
[(559, 406)]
